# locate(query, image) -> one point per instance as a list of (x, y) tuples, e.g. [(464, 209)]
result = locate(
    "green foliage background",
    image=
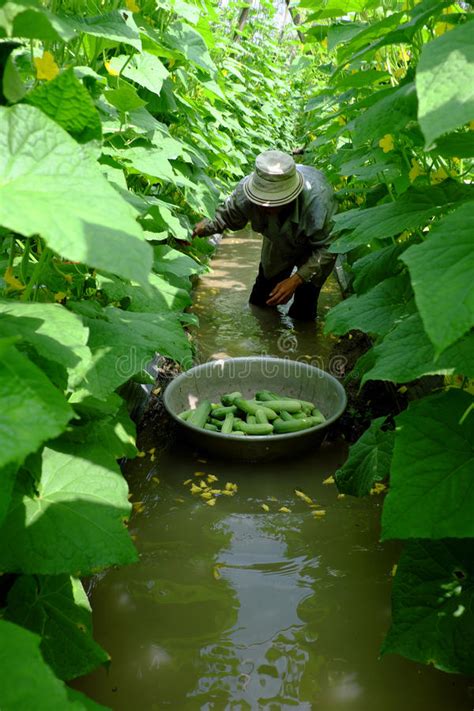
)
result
[(119, 127)]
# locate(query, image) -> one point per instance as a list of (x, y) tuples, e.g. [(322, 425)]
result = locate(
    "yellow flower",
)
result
[(394, 570), (341, 496), (265, 507), (415, 170), (442, 27), (60, 296), (113, 72), (10, 279), (319, 514), (438, 176), (186, 482), (206, 495), (155, 479), (46, 67), (284, 509), (211, 478), (341, 121), (386, 143), (211, 502), (195, 489), (132, 6), (471, 125), (324, 43), (378, 488), (329, 480)]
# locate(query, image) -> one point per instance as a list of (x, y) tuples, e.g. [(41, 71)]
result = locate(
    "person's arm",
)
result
[(318, 224), (231, 215)]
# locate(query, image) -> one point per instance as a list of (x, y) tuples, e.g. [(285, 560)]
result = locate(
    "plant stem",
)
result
[(46, 254)]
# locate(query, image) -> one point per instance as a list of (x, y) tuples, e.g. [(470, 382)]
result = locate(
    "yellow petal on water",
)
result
[(227, 492), (402, 389), (203, 484), (284, 509), (319, 514), (113, 72), (230, 486), (272, 498), (46, 67), (211, 478), (155, 479), (329, 480), (132, 6), (211, 502), (386, 143), (179, 500), (141, 454), (152, 458), (187, 481), (152, 450), (206, 495), (341, 496), (202, 461), (199, 474), (216, 574), (216, 492), (394, 570), (10, 279), (195, 489), (156, 391), (265, 507)]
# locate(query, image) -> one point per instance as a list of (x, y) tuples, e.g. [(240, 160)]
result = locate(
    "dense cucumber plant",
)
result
[(116, 130), (393, 127)]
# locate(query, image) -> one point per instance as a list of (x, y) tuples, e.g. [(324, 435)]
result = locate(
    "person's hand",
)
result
[(199, 228), (284, 290)]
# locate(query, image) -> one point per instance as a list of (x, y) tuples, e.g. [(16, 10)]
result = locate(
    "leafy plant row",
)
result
[(116, 130), (393, 125)]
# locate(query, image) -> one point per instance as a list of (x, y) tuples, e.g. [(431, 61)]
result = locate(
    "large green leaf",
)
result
[(431, 493), (75, 524), (433, 604), (144, 69), (55, 333), (441, 270), (376, 266), (27, 682), (162, 296), (407, 353), (169, 260), (57, 608), (189, 42), (457, 145), (32, 410), (66, 101), (389, 115), (368, 461), (374, 312), (444, 81), (123, 343), (412, 210), (26, 18), (118, 26), (51, 187)]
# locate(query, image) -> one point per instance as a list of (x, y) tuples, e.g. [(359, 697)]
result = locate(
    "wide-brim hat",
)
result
[(275, 181)]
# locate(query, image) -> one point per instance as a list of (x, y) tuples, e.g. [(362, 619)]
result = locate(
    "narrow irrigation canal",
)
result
[(232, 607)]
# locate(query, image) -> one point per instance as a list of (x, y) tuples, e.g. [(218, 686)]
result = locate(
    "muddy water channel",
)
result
[(233, 607)]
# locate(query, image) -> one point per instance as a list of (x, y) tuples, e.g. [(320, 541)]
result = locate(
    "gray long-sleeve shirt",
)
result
[(295, 237)]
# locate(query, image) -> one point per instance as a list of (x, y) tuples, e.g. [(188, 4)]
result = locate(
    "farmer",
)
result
[(292, 207)]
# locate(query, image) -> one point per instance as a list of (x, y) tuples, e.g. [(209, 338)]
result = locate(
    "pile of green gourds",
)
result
[(268, 414)]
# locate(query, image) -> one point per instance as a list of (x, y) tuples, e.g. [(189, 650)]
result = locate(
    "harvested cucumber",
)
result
[(185, 414), (229, 398), (288, 405), (199, 416), (285, 415), (251, 420), (266, 396), (295, 426), (214, 421), (228, 423), (220, 412), (211, 428), (251, 407), (260, 416), (257, 429), (316, 413)]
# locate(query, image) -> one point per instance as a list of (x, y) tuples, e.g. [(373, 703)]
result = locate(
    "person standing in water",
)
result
[(291, 206)]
